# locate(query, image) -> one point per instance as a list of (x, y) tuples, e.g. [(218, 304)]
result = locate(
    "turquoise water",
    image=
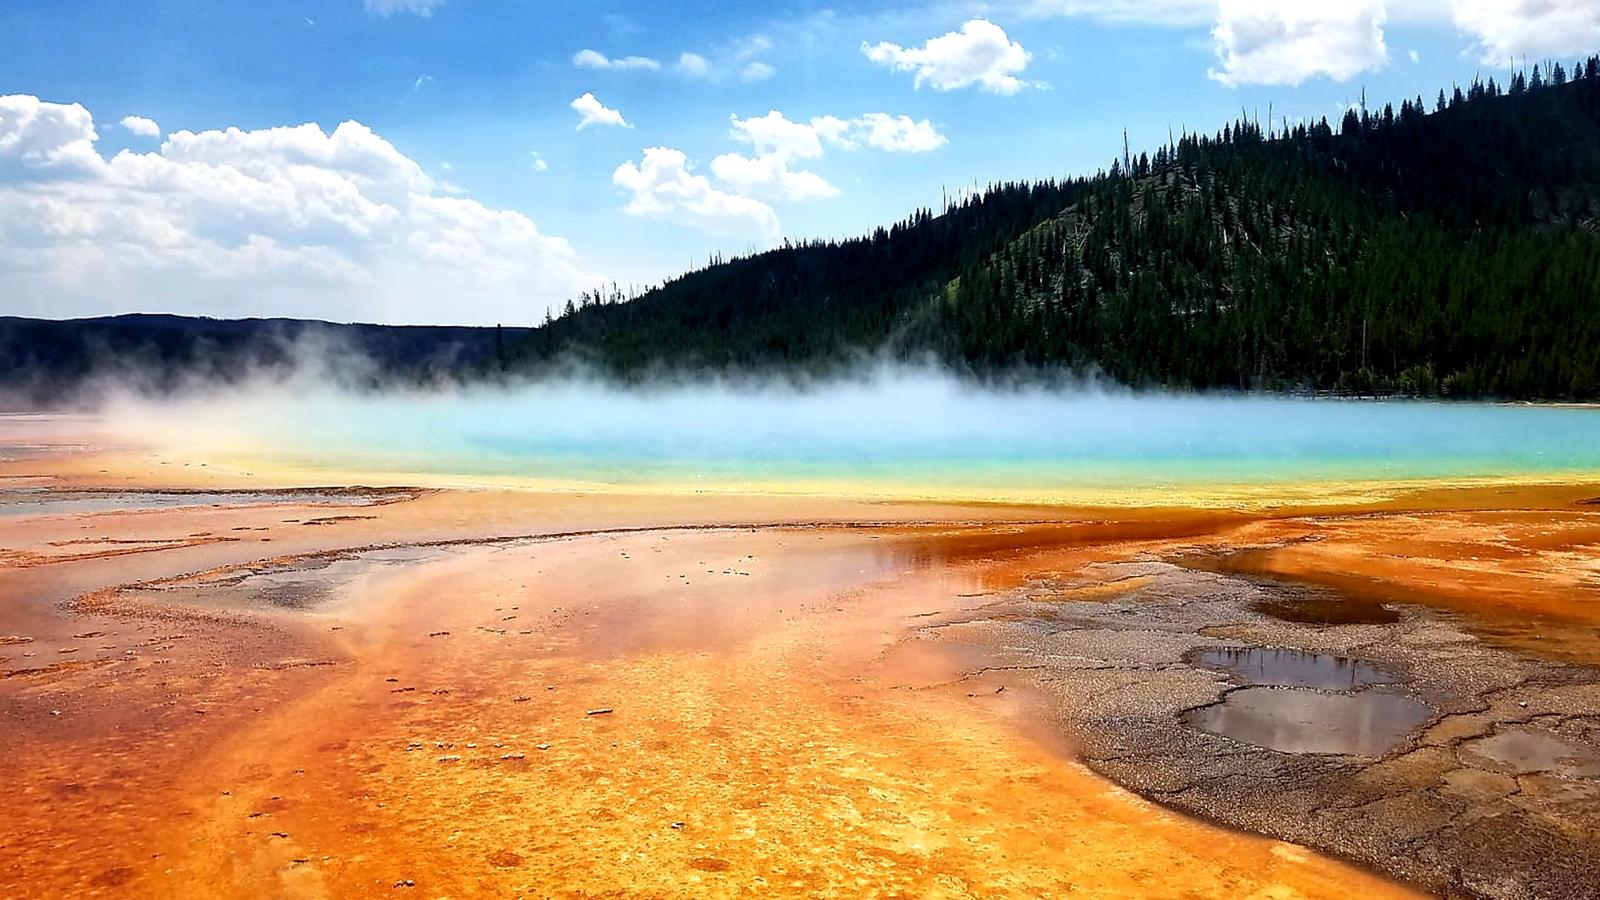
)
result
[(897, 430)]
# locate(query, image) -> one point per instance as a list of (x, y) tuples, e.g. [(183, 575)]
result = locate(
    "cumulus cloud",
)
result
[(1286, 42), (594, 59), (780, 142), (141, 126), (979, 54), (770, 175), (592, 112), (1517, 29), (775, 133), (387, 8), (897, 134), (282, 221), (662, 186)]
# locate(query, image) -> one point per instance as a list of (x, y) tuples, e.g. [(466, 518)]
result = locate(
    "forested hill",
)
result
[(1448, 246)]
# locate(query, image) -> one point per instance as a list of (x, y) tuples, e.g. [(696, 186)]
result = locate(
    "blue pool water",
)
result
[(898, 430)]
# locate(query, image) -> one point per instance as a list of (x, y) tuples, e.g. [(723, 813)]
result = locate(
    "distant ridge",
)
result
[(51, 363)]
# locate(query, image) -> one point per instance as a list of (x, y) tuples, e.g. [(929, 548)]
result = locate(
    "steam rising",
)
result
[(889, 426)]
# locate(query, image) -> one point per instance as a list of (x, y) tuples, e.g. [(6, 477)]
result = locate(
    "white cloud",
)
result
[(663, 187), (280, 221), (42, 141), (141, 126), (1286, 42), (881, 131), (594, 59), (769, 174), (1414, 56), (592, 112), (779, 142), (898, 134), (979, 54), (775, 133), (834, 131), (539, 165), (387, 8), (1518, 29)]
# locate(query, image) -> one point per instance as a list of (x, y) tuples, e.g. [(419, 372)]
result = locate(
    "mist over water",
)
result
[(892, 427)]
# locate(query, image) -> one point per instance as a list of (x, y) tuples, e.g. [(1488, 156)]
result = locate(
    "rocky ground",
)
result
[(1403, 741)]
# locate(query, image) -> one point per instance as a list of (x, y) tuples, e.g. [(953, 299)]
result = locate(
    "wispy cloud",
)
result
[(387, 8), (736, 61), (594, 59)]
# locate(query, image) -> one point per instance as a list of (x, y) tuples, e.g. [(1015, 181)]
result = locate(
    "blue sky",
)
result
[(468, 192)]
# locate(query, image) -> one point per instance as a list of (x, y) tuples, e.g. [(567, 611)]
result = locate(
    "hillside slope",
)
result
[(1447, 247)]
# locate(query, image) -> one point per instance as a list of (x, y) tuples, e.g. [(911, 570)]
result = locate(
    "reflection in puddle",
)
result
[(1524, 752), (1323, 609), (1293, 668), (1305, 721)]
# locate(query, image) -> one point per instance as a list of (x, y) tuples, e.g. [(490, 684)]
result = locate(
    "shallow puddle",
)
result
[(1321, 609), (1293, 720), (50, 502), (1292, 668), (1524, 752)]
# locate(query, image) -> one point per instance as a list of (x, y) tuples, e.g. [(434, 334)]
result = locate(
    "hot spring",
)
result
[(892, 433)]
